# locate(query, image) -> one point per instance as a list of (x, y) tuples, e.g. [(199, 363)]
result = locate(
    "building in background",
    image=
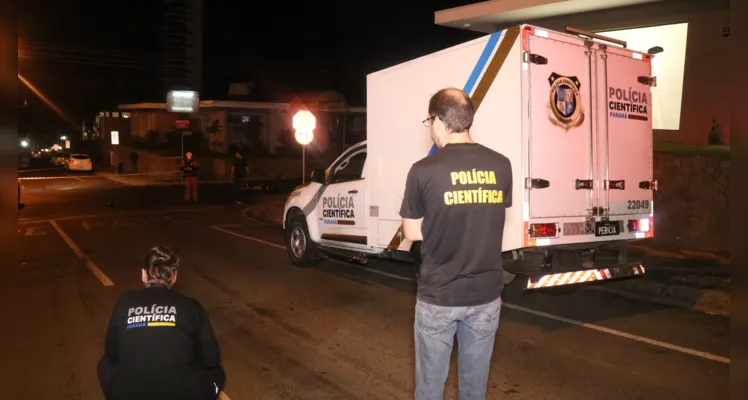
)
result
[(692, 90), (182, 45), (255, 128)]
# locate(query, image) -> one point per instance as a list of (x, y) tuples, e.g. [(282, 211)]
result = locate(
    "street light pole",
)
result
[(304, 124), (303, 164)]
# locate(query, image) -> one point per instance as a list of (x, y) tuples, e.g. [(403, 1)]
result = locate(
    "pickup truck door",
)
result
[(341, 210)]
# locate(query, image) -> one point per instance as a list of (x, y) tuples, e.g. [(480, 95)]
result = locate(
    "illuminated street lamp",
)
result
[(24, 143), (63, 138), (304, 124)]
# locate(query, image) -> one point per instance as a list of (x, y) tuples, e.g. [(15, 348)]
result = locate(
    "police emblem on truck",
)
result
[(565, 104)]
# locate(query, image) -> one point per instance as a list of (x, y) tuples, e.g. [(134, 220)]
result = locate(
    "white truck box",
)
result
[(573, 116)]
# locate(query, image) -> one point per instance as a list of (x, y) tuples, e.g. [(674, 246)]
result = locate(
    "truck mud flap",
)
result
[(584, 276)]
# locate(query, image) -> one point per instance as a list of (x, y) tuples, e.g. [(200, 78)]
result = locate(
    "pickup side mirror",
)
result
[(318, 175)]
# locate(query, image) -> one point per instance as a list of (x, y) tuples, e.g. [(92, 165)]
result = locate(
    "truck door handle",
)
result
[(352, 191)]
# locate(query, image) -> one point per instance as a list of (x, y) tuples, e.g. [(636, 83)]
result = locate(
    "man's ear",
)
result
[(143, 275)]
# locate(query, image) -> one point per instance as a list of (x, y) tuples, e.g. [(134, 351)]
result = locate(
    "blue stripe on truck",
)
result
[(493, 40)]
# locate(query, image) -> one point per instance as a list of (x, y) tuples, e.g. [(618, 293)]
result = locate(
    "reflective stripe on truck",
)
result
[(486, 79), (583, 276)]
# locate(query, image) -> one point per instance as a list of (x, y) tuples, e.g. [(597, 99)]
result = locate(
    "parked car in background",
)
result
[(60, 158), (79, 162)]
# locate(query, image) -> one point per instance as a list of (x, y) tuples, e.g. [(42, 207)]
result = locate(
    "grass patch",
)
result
[(690, 149)]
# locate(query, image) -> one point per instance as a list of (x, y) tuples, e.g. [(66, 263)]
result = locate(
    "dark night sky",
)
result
[(92, 55)]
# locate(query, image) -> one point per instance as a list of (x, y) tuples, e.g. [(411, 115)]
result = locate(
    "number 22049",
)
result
[(637, 204)]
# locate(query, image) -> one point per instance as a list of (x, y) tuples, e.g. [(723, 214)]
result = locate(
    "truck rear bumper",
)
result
[(584, 276)]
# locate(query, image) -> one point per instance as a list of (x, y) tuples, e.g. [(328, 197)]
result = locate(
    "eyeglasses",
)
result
[(428, 121)]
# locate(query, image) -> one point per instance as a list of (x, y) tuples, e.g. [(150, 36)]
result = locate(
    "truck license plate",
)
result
[(607, 228)]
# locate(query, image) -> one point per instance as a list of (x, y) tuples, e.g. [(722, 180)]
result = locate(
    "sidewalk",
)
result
[(678, 278)]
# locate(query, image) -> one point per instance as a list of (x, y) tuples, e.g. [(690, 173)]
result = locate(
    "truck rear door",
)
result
[(626, 139), (560, 135)]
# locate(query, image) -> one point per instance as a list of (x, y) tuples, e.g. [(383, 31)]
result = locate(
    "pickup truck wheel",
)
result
[(299, 246)]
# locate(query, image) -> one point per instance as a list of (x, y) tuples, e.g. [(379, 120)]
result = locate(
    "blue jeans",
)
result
[(435, 327)]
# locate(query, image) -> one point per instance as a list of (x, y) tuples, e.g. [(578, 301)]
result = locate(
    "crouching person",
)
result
[(160, 344)]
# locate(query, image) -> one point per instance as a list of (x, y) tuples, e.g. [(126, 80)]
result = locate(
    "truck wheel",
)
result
[(299, 246)]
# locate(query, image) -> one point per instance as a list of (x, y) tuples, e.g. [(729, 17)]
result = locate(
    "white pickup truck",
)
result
[(572, 112)]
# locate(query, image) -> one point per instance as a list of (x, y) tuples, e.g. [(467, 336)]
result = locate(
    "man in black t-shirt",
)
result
[(239, 171), (455, 203)]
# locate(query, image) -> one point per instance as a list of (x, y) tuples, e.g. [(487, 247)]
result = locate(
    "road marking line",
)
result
[(218, 228), (90, 264), (637, 338), (23, 171), (223, 396), (376, 271), (111, 214), (373, 271), (625, 335)]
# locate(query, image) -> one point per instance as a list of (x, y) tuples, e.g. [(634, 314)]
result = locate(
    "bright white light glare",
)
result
[(644, 225), (304, 123), (304, 137), (115, 137), (63, 138), (667, 66), (182, 101), (24, 143), (183, 94)]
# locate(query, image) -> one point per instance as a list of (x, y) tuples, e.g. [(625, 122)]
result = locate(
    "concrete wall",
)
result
[(706, 75), (692, 205)]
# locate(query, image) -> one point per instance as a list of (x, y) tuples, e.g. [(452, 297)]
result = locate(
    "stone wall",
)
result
[(692, 204)]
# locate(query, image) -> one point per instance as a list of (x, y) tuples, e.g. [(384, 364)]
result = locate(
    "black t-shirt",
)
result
[(461, 193), (240, 168), (154, 335)]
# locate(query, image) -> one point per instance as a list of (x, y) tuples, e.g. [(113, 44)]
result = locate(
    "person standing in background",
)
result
[(239, 171), (190, 167)]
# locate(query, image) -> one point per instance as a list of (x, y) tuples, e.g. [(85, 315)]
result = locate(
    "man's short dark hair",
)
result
[(454, 107)]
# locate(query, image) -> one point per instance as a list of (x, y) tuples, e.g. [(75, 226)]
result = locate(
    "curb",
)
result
[(129, 182), (681, 254), (256, 214)]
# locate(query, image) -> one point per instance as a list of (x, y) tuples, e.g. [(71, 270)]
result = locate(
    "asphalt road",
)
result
[(336, 331)]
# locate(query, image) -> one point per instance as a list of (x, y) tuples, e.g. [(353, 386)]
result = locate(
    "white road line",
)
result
[(23, 171), (90, 264), (25, 221), (373, 271), (630, 336), (642, 339), (218, 228)]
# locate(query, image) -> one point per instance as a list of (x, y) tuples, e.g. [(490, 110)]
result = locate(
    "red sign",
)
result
[(183, 123)]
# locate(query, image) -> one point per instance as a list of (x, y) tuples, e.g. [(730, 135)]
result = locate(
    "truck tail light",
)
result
[(89, 161), (543, 230), (639, 225)]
